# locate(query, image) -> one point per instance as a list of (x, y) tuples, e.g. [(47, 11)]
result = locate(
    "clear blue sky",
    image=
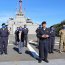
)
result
[(52, 11)]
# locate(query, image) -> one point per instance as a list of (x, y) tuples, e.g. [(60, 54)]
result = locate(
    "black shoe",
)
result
[(49, 52), (5, 53), (52, 52), (46, 60), (1, 53), (20, 53), (39, 61)]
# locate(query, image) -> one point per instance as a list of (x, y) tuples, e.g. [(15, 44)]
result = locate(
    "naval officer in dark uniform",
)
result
[(52, 39), (4, 33), (25, 35), (43, 36), (17, 36), (21, 40), (37, 30)]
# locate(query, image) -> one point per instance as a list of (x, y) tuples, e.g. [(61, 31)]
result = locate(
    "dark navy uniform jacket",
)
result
[(22, 36), (37, 30), (43, 32), (17, 35), (4, 33), (25, 31), (52, 33)]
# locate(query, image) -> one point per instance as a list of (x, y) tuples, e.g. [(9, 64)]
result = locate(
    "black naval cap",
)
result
[(3, 24), (44, 22)]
